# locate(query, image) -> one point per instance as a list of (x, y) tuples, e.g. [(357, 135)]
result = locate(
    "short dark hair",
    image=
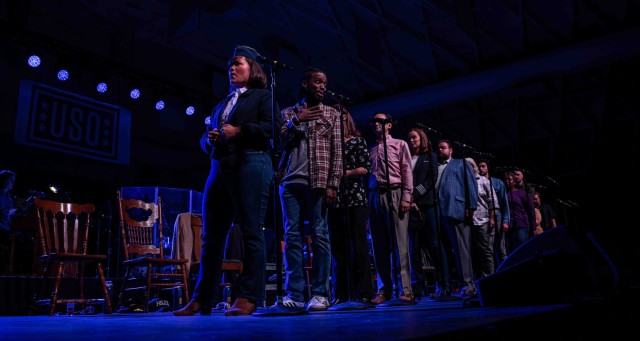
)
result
[(306, 76)]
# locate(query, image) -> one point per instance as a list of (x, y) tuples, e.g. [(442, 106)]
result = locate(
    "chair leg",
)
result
[(105, 291), (56, 286), (148, 293), (185, 283)]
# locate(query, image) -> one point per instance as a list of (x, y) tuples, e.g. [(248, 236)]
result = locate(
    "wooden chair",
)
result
[(141, 235), (63, 233)]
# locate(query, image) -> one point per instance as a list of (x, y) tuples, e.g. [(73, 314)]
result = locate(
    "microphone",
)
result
[(382, 121), (460, 144), (274, 63), (427, 129), (337, 97)]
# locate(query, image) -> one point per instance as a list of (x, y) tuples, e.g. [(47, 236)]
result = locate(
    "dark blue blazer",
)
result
[(425, 173), (253, 114)]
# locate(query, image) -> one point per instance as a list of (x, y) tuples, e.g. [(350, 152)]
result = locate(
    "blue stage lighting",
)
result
[(63, 75), (34, 61), (102, 87), (190, 110), (159, 105), (135, 93)]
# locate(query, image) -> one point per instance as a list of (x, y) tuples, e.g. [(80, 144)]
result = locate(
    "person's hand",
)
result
[(505, 227), (214, 136), (229, 131), (405, 206), (330, 197), (414, 207), (309, 114)]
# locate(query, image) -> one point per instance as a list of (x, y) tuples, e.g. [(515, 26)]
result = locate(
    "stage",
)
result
[(587, 318)]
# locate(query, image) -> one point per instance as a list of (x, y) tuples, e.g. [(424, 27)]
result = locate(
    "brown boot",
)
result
[(379, 299), (192, 308), (241, 306)]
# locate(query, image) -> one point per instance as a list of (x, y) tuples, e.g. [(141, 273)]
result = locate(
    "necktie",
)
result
[(230, 105)]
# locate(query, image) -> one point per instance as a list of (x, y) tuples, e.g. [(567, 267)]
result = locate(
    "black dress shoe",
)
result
[(192, 308)]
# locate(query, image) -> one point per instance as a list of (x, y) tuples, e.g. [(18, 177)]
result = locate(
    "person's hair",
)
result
[(424, 145), (306, 76), (387, 117), (257, 77), (485, 161), (472, 163), (445, 141), (350, 128), (511, 175)]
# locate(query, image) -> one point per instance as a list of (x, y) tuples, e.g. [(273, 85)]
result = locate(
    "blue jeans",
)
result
[(298, 204), (245, 178)]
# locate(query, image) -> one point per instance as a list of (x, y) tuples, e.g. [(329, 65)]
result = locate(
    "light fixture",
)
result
[(34, 61), (63, 75), (102, 87), (134, 93), (190, 110), (160, 105), (54, 189)]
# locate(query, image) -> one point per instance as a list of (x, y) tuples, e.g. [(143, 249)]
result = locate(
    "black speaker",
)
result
[(558, 266)]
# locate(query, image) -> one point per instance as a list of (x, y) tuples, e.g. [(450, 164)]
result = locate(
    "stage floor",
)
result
[(452, 320)]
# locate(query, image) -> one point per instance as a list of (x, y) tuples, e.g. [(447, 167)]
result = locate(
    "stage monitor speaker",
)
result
[(558, 266)]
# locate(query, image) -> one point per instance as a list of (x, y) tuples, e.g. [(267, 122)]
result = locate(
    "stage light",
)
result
[(102, 87), (160, 105), (54, 189), (34, 61), (63, 75), (190, 110), (135, 93)]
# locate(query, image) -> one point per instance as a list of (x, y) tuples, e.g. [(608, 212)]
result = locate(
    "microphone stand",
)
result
[(277, 309), (392, 236), (351, 304)]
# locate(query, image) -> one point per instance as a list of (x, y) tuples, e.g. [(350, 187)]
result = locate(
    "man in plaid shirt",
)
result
[(310, 170)]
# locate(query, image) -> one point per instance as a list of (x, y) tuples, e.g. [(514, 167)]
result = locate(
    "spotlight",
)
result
[(160, 105), (63, 75), (190, 110), (135, 93), (102, 87), (34, 61), (54, 189)]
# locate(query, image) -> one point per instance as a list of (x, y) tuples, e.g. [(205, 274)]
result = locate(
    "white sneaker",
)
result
[(318, 303), (289, 302)]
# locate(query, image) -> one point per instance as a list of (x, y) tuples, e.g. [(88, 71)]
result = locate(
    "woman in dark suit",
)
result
[(424, 231), (238, 187)]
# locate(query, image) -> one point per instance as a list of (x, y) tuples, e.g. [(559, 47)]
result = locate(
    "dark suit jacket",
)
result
[(253, 114), (424, 176)]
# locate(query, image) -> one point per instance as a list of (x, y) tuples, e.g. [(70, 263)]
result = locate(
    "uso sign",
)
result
[(58, 120)]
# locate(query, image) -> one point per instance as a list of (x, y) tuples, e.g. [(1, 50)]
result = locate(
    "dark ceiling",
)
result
[(540, 84), (371, 50)]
